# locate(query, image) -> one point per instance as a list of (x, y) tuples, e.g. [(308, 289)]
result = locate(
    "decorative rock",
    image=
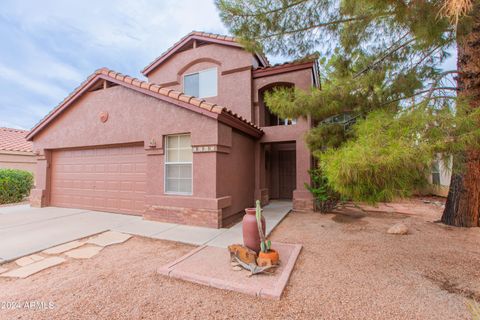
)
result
[(25, 261), (264, 262), (2, 270), (237, 268), (398, 228), (243, 253)]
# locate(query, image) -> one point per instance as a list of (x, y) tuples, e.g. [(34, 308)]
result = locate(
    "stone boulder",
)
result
[(398, 228)]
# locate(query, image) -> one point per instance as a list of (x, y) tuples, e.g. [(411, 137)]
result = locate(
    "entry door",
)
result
[(287, 173)]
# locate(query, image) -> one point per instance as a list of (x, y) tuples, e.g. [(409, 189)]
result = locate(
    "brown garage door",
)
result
[(109, 179)]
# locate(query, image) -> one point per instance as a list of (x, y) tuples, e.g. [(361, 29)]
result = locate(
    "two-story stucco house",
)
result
[(194, 144)]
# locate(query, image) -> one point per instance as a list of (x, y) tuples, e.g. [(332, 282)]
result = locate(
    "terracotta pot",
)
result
[(251, 238), (271, 255)]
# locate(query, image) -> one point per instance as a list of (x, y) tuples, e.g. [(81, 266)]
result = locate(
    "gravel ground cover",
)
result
[(349, 268)]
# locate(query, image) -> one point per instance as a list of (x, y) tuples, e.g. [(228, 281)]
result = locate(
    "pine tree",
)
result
[(380, 62), (463, 201)]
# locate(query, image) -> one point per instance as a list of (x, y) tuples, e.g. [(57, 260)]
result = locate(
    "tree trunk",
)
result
[(463, 203)]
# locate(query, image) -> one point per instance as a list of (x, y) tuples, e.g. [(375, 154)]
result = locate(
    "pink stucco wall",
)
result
[(236, 174), (18, 160), (234, 74)]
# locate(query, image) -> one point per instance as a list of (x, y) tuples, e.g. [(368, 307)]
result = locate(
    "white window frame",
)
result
[(192, 73), (165, 163), (293, 120)]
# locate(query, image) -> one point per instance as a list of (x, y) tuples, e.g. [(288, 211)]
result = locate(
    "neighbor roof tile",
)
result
[(14, 140)]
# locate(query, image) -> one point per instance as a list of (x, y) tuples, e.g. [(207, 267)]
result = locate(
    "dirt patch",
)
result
[(451, 287), (348, 217), (366, 274)]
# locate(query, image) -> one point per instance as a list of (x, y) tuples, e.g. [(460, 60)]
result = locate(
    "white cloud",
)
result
[(50, 46), (24, 81), (7, 124)]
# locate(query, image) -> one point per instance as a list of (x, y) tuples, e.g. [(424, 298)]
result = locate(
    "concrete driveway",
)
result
[(25, 230)]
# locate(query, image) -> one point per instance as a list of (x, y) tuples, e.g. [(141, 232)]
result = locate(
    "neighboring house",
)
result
[(199, 157), (15, 151), (440, 176)]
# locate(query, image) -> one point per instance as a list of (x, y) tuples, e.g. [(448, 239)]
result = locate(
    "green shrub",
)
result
[(15, 185), (389, 158), (325, 197)]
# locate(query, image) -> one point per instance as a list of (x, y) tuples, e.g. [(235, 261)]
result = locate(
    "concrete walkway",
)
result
[(25, 230)]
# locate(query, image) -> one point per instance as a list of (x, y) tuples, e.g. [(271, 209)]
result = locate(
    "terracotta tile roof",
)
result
[(198, 35), (176, 97), (212, 36), (14, 140), (301, 61), (309, 62)]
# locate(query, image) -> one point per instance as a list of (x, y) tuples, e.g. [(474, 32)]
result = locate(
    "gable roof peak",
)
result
[(202, 36)]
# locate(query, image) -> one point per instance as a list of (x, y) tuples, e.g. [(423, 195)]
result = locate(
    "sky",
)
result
[(50, 47)]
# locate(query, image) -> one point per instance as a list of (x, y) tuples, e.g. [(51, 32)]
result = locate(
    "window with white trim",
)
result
[(202, 84), (178, 164)]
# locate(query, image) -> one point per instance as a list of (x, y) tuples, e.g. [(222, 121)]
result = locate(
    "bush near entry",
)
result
[(15, 185)]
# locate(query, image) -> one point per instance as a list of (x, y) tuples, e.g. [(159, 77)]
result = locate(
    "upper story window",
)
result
[(178, 164), (202, 84)]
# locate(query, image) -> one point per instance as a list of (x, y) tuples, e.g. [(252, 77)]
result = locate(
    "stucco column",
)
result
[(155, 167), (39, 196), (258, 193), (261, 192), (302, 198)]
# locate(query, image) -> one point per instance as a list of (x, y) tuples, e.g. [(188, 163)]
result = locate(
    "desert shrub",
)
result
[(325, 197), (15, 185)]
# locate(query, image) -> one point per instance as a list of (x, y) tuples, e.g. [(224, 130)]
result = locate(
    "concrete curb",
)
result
[(275, 293)]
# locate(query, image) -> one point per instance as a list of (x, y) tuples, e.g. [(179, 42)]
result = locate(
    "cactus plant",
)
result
[(265, 244)]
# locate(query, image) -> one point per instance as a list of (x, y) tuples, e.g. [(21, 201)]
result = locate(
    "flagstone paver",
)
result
[(25, 261), (28, 270), (84, 252), (109, 238), (64, 247)]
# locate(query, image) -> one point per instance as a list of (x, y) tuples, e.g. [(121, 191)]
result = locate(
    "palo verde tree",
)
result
[(380, 65)]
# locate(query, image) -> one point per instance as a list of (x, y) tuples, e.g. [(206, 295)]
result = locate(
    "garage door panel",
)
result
[(94, 179), (105, 179)]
